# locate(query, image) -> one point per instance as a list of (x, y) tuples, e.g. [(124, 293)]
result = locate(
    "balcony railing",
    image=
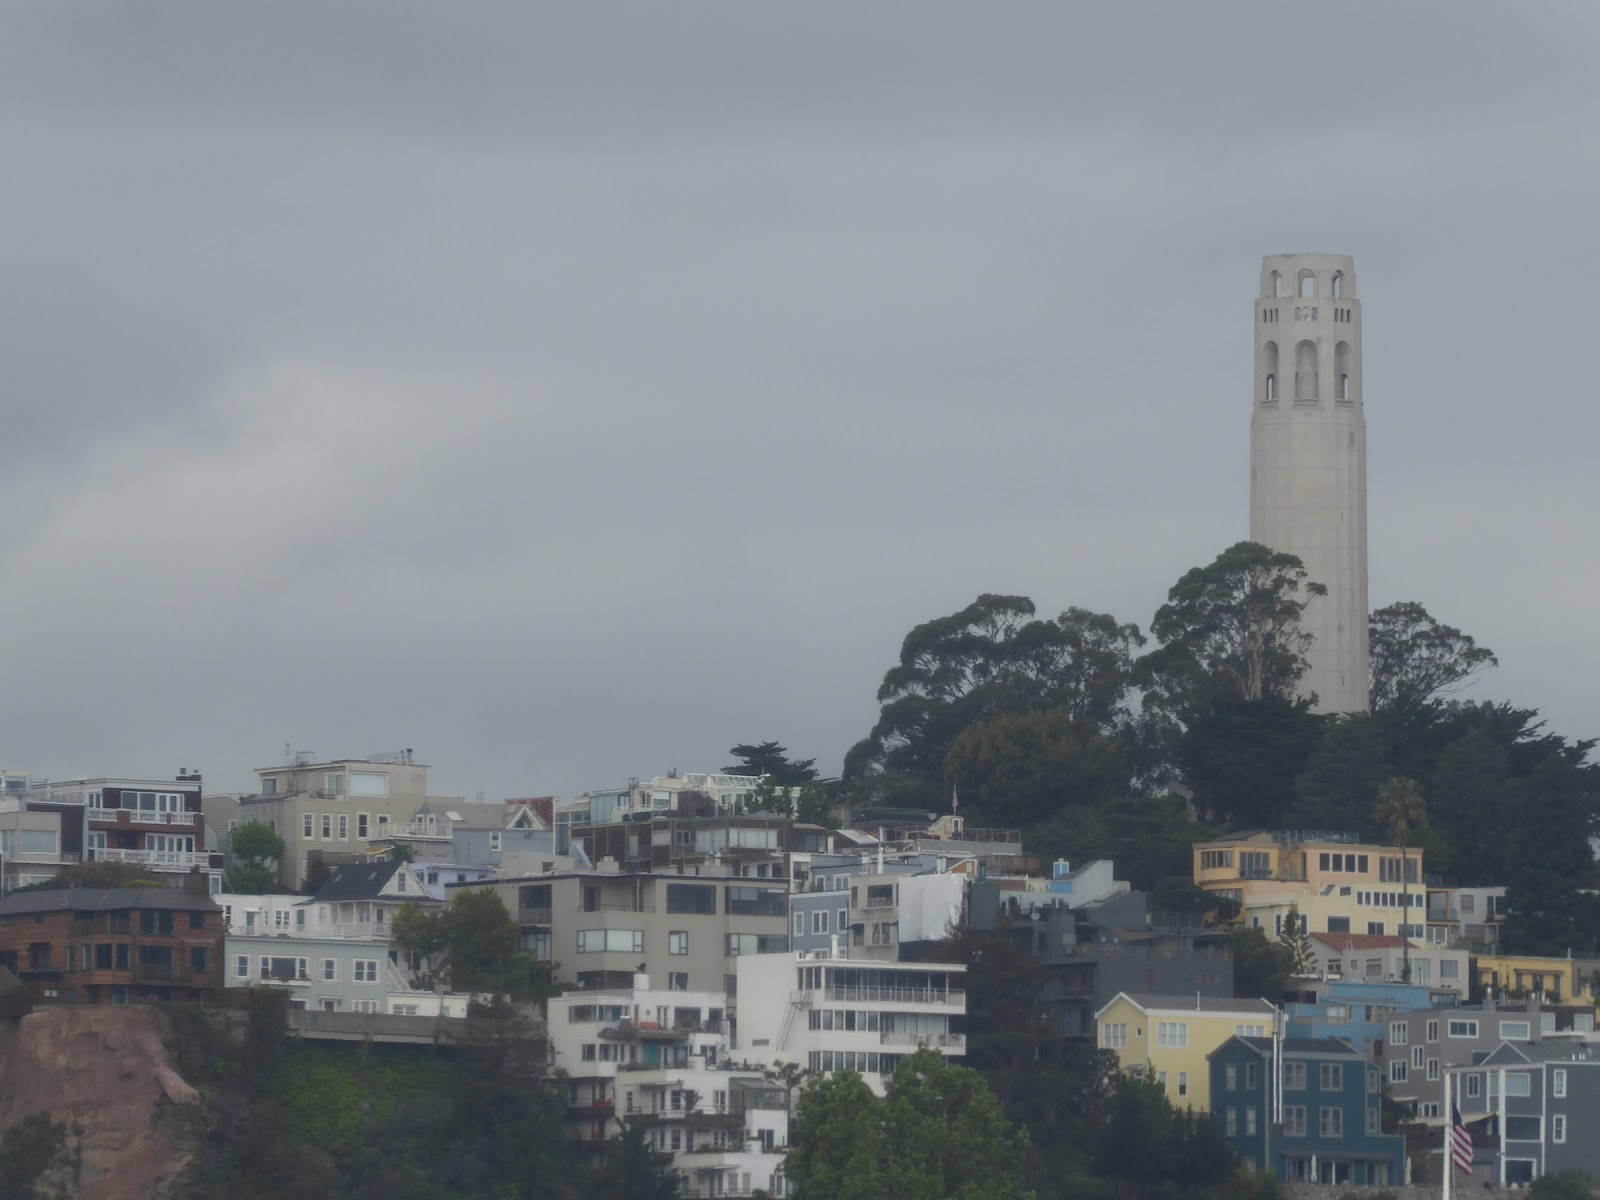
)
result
[(947, 1041), (161, 973), (534, 916), (897, 995), (174, 859), (142, 816)]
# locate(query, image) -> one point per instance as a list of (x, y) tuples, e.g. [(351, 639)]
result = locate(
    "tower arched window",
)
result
[(1269, 361), (1308, 283), (1341, 370), (1305, 371), (1277, 284), (1338, 285)]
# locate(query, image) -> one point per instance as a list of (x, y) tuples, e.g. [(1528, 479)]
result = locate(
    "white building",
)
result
[(827, 1012), (1308, 457), (660, 1060)]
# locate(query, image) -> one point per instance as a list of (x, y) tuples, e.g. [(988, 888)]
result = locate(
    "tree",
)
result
[(938, 1131), (626, 1172), (472, 940), (1415, 659), (1296, 939), (257, 850), (1401, 811), (1242, 757), (1150, 1149), (1563, 1185), (1342, 775), (1261, 968), (318, 872), (1550, 868), (1230, 629), (771, 761), (989, 659), (1022, 768), (28, 1149)]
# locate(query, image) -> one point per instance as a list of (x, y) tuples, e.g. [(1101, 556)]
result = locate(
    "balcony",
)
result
[(141, 816), (161, 973), (950, 996), (942, 1041), (591, 1108), (172, 860), (534, 916)]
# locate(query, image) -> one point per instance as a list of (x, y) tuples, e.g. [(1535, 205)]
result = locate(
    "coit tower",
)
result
[(1308, 458)]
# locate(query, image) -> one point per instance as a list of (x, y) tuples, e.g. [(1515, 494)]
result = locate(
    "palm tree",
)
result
[(1402, 811)]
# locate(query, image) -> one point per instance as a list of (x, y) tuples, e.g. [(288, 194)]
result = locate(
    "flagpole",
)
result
[(1447, 1159)]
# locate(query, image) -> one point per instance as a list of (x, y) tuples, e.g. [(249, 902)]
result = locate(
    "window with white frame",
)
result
[(330, 970), (1558, 1082), (1183, 1084), (1330, 1077), (1462, 1029), (1558, 1127), (843, 916), (327, 827), (494, 842), (308, 825), (1330, 1122), (1398, 1033), (362, 824), (1515, 1031), (1432, 1031), (1294, 1120), (1231, 1121), (799, 924), (678, 941), (1433, 1070), (1172, 1033), (1249, 1120), (1397, 1070), (1416, 1056), (1114, 1035), (1230, 1073), (1250, 1030), (819, 920), (241, 968), (366, 970), (344, 827), (1474, 1086)]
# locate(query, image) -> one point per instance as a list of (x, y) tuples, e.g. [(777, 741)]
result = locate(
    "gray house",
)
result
[(1548, 1093)]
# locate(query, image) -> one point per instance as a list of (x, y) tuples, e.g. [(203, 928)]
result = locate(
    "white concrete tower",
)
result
[(1308, 457)]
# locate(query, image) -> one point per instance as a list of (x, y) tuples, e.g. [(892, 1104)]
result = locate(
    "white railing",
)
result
[(948, 1041), (182, 859), (897, 995), (143, 816)]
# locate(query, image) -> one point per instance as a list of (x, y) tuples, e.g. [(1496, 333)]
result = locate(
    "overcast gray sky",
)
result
[(570, 392)]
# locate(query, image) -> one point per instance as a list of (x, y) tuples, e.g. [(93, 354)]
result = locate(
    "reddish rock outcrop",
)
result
[(104, 1069)]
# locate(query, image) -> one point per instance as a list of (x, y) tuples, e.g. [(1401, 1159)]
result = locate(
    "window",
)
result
[(1449, 968), (1294, 1076), (344, 827), (844, 920), (1397, 1070), (1214, 859), (677, 981), (1250, 1120), (1230, 1073), (1515, 1031), (1338, 924), (199, 959), (1294, 1120), (819, 920), (494, 842), (751, 901), (327, 827), (754, 943), (1330, 1122), (1474, 1086), (1433, 1070), (1231, 1118), (1250, 1076), (799, 924), (599, 941), (1330, 1077), (361, 825), (1172, 1033), (241, 966), (698, 898), (1374, 1119), (1462, 1029), (1558, 1127), (1432, 1033), (1114, 1035), (400, 880), (330, 970), (1398, 1033), (307, 828), (1416, 1057), (1183, 1086), (678, 942), (1250, 1030), (1558, 1082), (1523, 1129), (366, 970)]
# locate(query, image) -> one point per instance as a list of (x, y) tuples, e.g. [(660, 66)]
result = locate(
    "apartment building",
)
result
[(830, 1012), (154, 824), (1554, 980), (1339, 885), (1325, 1125), (1545, 1097), (332, 808), (873, 906), (692, 793), (1466, 917), (113, 945), (1377, 958), (1354, 1011), (30, 845), (1170, 1037), (602, 927), (660, 1060)]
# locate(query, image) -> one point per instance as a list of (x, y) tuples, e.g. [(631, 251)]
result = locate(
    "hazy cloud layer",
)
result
[(571, 392)]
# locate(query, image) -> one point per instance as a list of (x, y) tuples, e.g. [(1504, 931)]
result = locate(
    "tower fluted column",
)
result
[(1308, 457)]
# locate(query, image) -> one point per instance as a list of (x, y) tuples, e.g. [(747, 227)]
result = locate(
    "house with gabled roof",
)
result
[(1169, 1037)]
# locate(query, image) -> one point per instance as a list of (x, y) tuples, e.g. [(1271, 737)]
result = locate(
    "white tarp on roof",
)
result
[(930, 906)]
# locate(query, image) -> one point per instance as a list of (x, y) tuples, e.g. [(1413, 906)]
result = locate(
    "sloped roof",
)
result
[(1359, 941), (358, 881), (1150, 1001), (78, 899)]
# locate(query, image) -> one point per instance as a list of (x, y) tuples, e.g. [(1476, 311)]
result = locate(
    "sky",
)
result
[(569, 392)]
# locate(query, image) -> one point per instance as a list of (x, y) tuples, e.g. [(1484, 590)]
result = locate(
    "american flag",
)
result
[(1460, 1142)]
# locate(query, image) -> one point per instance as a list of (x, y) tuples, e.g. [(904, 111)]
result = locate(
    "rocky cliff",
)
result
[(105, 1072)]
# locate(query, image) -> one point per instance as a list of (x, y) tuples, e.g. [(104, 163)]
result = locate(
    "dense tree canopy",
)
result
[(256, 850), (1415, 659), (472, 941), (771, 761)]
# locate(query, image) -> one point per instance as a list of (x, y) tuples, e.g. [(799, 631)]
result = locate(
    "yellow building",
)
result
[(1169, 1037), (1559, 980), (1338, 884)]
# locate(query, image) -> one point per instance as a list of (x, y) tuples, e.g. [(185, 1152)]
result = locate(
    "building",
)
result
[(113, 945), (1466, 917), (874, 907), (1553, 980), (1330, 1126), (1380, 958), (154, 824), (600, 928), (694, 792), (1354, 1011), (332, 808), (1169, 1037), (660, 1060), (30, 845), (1308, 458), (1546, 1097), (828, 1012), (1336, 883)]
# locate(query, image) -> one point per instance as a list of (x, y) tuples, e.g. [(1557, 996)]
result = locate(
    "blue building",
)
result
[(1354, 1011), (1331, 1131)]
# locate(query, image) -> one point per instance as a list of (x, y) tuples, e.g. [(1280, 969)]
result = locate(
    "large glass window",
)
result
[(598, 941), (692, 898), (756, 902)]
